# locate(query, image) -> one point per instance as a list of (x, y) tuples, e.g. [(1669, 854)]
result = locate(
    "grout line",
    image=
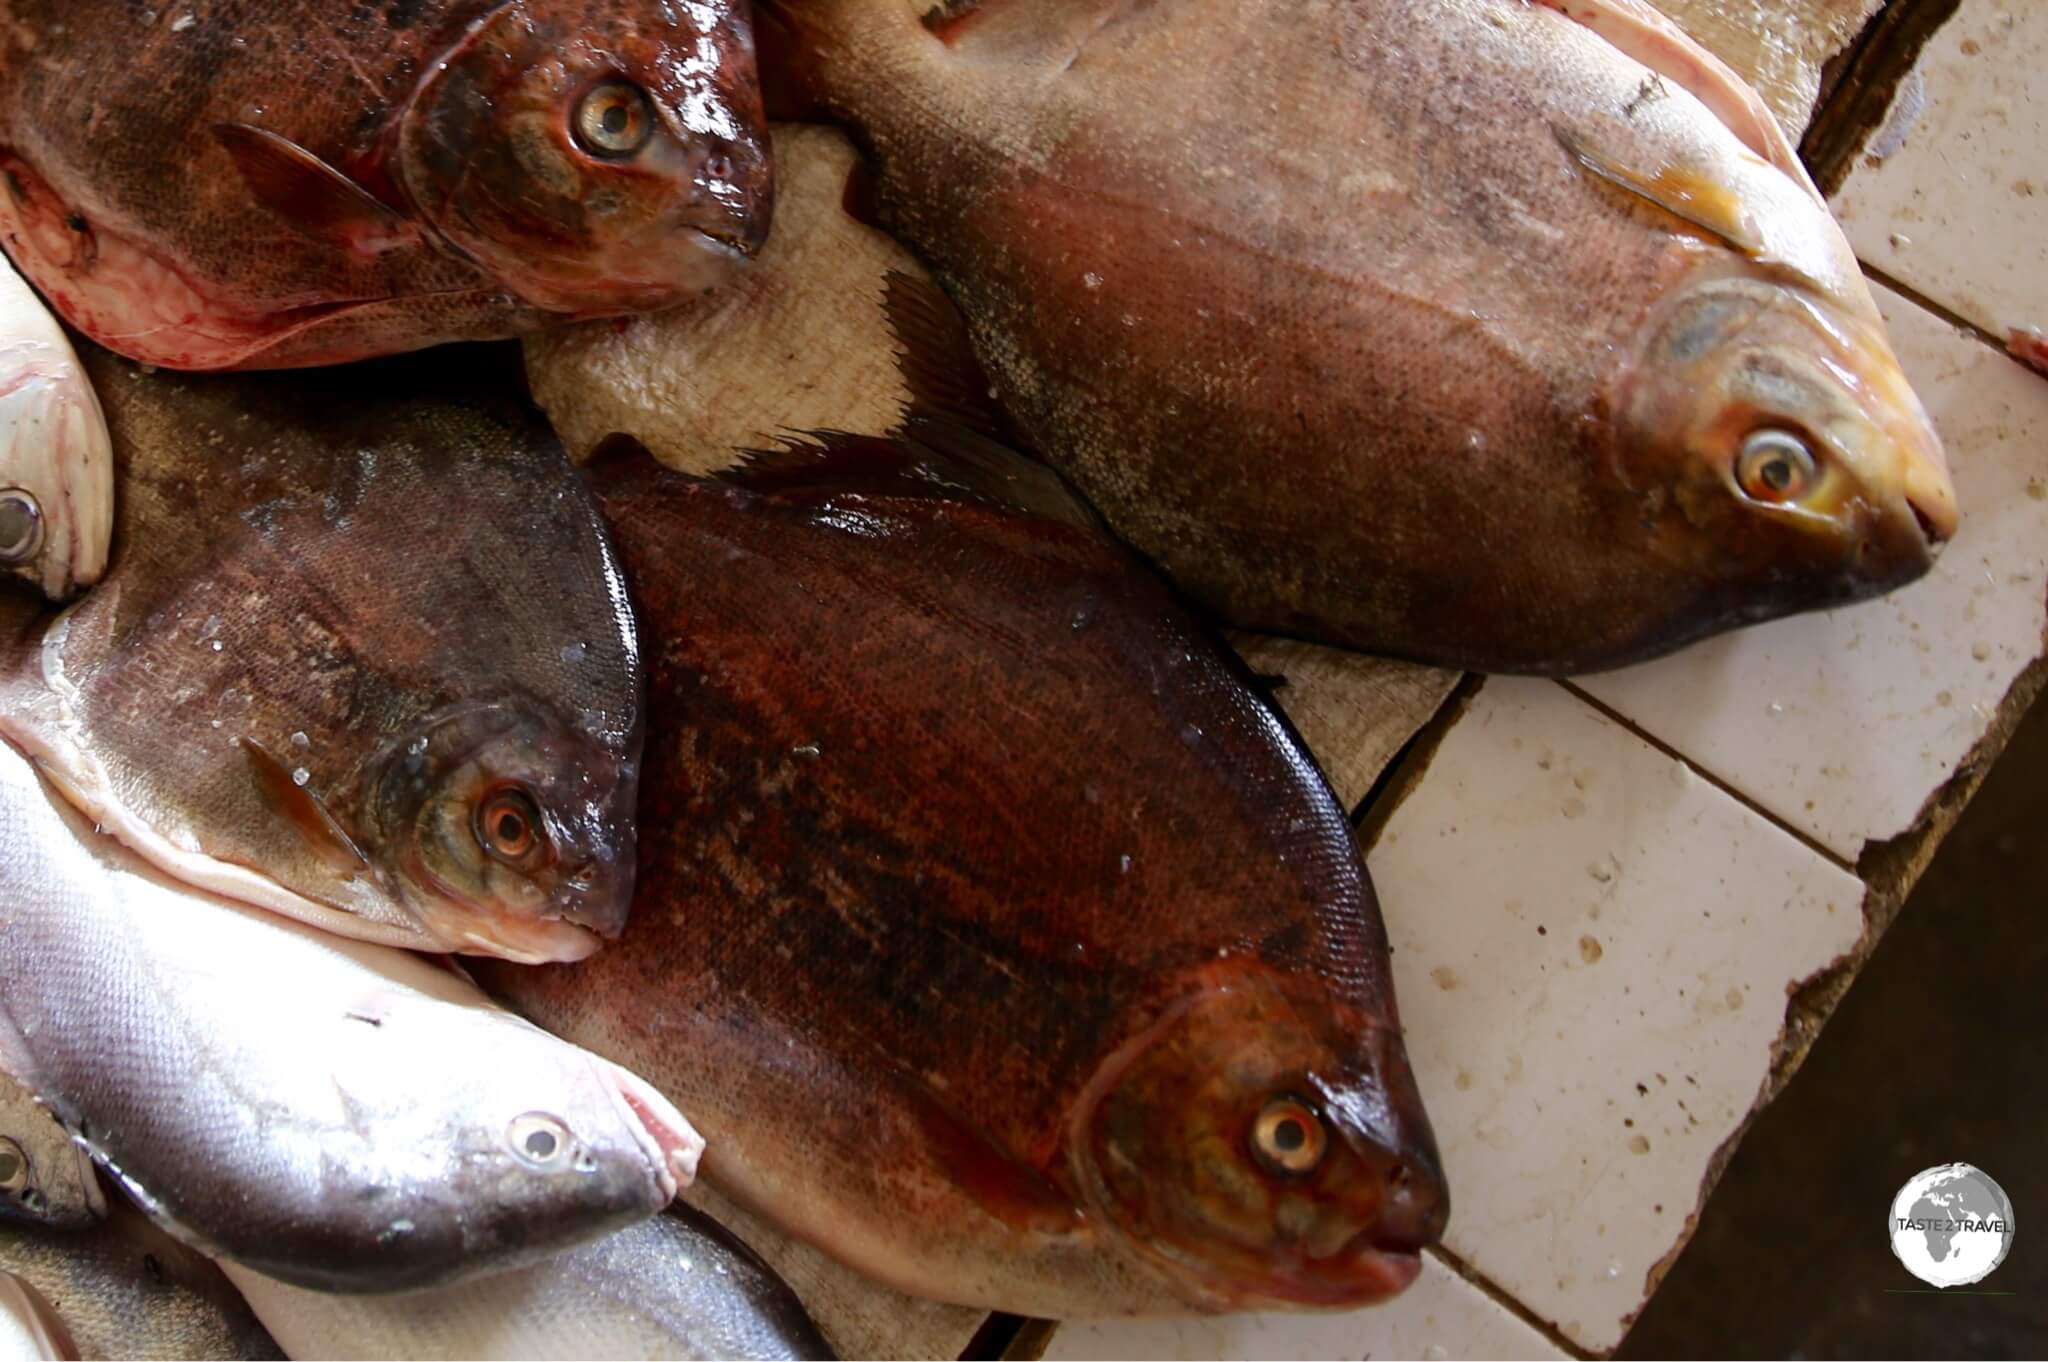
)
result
[(1501, 1297), (1940, 310), (1804, 838)]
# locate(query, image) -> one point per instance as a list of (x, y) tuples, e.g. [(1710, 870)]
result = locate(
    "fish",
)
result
[(362, 657), (123, 1289), (45, 1178), (233, 186), (56, 462), (337, 1115), (1004, 943), (801, 341), (1498, 335), (676, 1286)]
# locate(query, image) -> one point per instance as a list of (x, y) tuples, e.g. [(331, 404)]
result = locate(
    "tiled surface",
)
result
[(1952, 198), (1593, 948), (1843, 724), (1441, 1316)]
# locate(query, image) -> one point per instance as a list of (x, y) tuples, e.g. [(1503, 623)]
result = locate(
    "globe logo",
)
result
[(1951, 1225)]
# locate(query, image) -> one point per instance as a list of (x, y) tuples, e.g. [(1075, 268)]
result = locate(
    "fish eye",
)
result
[(508, 825), (1288, 1138), (13, 1167), (539, 1140), (21, 525), (614, 119), (1775, 466)]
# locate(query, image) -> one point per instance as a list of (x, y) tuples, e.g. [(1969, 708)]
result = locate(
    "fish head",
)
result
[(598, 157), (1790, 463), (56, 470), (1261, 1153), (510, 831)]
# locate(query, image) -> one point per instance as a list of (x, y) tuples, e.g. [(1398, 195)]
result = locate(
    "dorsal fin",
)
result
[(931, 457), (936, 358)]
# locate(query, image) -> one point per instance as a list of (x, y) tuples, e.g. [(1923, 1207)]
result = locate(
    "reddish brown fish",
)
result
[(1500, 334), (1001, 939), (220, 184)]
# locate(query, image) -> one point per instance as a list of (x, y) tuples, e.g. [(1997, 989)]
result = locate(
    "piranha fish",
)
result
[(677, 1286), (340, 1116), (1002, 940), (1496, 334), (221, 186), (56, 467), (124, 1289), (363, 657)]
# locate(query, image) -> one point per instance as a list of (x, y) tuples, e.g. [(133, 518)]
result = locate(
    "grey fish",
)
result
[(676, 1286), (45, 1178), (362, 657), (121, 1289), (334, 1114)]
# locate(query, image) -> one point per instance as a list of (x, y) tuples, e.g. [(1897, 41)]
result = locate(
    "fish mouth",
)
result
[(1361, 1273), (672, 1145)]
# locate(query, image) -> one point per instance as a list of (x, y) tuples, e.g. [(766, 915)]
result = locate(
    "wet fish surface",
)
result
[(337, 1115), (56, 468), (1001, 939), (45, 1178), (274, 183), (1494, 334), (125, 1289), (363, 657), (676, 1286)]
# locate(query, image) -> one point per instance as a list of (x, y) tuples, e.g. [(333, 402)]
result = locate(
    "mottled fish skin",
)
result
[(279, 183), (56, 467), (1363, 319), (45, 1178), (677, 1286), (984, 907), (341, 1116), (126, 1289), (363, 657)]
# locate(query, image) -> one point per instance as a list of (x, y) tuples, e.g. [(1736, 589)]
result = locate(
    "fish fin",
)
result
[(1006, 1187), (937, 358), (1651, 39), (315, 198), (930, 457), (304, 810), (1689, 197), (945, 19)]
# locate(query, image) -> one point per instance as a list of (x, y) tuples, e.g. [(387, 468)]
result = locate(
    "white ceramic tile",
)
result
[(1441, 1316), (1843, 724), (1592, 950), (1951, 196)]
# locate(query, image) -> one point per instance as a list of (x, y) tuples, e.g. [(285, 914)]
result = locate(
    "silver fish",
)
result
[(45, 1178), (56, 462), (676, 1286), (121, 1289), (335, 1114)]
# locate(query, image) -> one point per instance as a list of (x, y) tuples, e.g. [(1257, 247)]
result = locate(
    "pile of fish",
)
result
[(814, 734)]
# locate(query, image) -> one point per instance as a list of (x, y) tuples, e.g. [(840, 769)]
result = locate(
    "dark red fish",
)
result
[(1497, 334), (220, 184), (999, 936)]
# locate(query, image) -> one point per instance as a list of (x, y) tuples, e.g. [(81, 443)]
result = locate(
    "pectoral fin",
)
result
[(1695, 199), (304, 811), (315, 198)]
